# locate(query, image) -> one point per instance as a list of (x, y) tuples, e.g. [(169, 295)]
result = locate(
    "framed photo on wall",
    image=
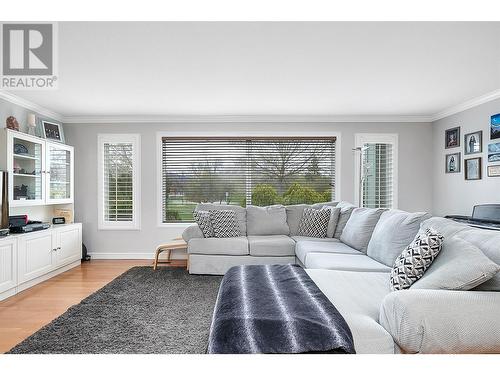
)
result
[(493, 152), (473, 169), (52, 131), (494, 171), (452, 163), (473, 142), (495, 126), (452, 137)]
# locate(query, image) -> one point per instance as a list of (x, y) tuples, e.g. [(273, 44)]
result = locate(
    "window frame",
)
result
[(388, 138), (235, 133), (135, 140)]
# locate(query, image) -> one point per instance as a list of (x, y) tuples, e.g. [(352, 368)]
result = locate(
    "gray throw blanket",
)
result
[(275, 309)]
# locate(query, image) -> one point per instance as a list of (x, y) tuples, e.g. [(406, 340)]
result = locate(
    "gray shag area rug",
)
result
[(141, 311)]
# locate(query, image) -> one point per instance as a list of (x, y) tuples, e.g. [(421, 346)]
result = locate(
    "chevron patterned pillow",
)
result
[(202, 218), (314, 223), (412, 263), (224, 223)]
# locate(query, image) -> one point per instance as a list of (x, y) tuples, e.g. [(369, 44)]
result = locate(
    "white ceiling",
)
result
[(333, 68)]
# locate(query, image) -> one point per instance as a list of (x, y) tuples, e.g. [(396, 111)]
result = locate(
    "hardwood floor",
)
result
[(30, 310)]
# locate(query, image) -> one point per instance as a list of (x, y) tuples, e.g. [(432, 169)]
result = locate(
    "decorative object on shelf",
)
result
[(494, 171), (32, 124), (20, 149), (473, 169), (21, 192), (12, 123), (67, 214), (495, 126), (452, 137), (453, 163), (4, 219), (58, 220), (16, 168), (53, 131), (473, 142), (493, 152)]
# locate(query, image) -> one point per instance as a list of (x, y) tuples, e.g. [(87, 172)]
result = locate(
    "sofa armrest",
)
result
[(193, 231), (443, 321)]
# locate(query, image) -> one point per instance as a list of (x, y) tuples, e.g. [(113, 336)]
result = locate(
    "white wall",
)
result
[(414, 158), (452, 194)]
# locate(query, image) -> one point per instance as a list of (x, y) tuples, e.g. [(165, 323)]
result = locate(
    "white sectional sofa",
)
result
[(352, 268)]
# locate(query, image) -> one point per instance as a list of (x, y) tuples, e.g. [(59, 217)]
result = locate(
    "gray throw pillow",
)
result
[(459, 266), (394, 231), (269, 220), (293, 216), (314, 223), (359, 228), (225, 223), (412, 263), (202, 218), (346, 209)]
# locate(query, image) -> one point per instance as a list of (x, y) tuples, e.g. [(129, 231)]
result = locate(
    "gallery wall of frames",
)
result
[(470, 145)]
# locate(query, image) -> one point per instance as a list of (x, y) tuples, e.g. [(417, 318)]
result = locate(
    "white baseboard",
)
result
[(132, 256)]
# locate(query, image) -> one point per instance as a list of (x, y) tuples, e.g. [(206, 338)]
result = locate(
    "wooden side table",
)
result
[(177, 244)]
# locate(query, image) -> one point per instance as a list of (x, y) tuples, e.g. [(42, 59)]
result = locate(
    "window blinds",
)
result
[(378, 175), (118, 182), (244, 171)]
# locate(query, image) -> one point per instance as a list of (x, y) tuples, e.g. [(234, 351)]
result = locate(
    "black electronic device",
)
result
[(58, 220), (4, 232), (30, 227), (485, 216)]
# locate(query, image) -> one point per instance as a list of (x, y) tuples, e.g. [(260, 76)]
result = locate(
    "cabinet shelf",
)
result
[(22, 156), (26, 175)]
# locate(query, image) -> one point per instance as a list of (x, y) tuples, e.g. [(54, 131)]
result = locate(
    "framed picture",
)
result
[(473, 169), (495, 126), (493, 152), (494, 171), (52, 131), (452, 137), (453, 163), (473, 142)]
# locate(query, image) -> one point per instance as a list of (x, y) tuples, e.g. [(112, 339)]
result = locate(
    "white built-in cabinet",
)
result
[(27, 259), (41, 172)]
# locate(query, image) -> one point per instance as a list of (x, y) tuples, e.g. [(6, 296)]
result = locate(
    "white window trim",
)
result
[(135, 140), (390, 138), (236, 133)]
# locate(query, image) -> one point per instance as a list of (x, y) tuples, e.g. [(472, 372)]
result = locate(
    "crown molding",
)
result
[(467, 105), (14, 99), (240, 118)]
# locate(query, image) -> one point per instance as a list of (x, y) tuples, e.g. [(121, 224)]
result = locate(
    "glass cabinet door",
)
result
[(27, 186), (59, 173)]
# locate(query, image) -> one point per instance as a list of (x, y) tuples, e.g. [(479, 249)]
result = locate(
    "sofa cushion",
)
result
[(305, 247), (345, 262), (346, 209), (224, 223), (459, 266), (202, 218), (241, 213), (269, 220), (487, 241), (218, 246), (358, 297), (359, 227), (314, 223), (394, 231), (293, 216), (304, 238), (275, 245), (418, 256)]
